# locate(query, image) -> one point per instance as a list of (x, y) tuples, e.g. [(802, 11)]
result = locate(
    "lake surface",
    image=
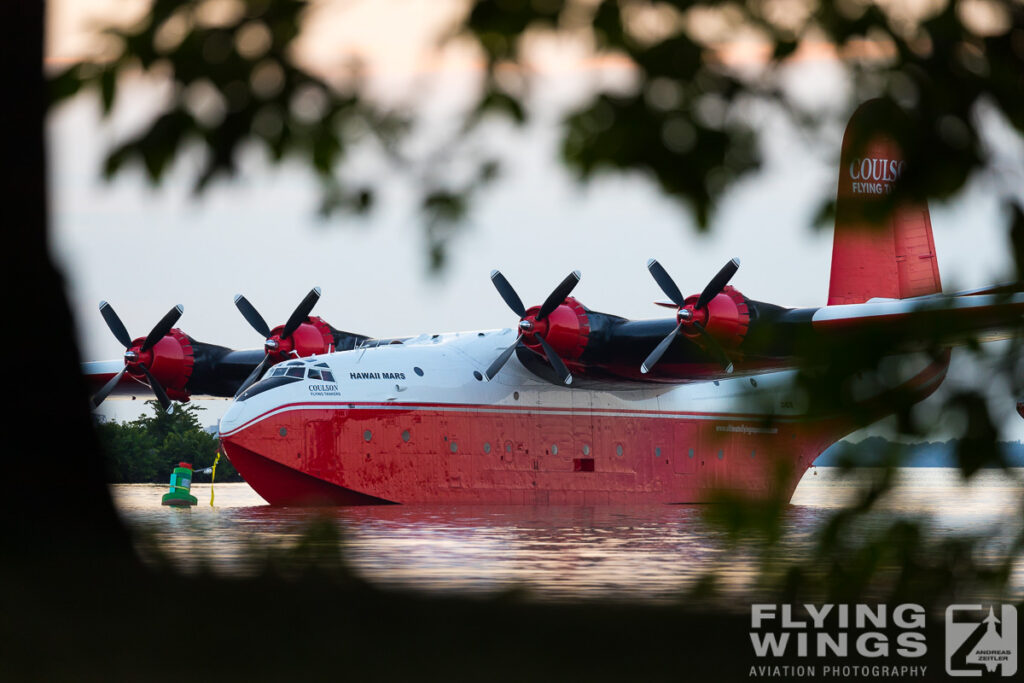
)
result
[(645, 552)]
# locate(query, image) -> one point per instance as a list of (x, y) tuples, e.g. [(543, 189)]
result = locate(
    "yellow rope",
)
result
[(213, 475)]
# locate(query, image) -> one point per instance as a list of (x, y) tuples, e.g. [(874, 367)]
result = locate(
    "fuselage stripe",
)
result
[(471, 408)]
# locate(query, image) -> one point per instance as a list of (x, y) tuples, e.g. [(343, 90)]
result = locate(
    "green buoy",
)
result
[(181, 483)]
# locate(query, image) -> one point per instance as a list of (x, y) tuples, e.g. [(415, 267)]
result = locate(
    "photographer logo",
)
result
[(981, 642)]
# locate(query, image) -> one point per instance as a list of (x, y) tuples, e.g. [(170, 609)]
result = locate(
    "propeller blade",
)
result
[(718, 283), (161, 395), (300, 313), (500, 361), (253, 376), (556, 297), (105, 390), (115, 324), (556, 362), (508, 294), (161, 329), (252, 316), (715, 347), (666, 282), (659, 350)]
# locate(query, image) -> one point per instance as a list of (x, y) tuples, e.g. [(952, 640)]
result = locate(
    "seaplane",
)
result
[(574, 406)]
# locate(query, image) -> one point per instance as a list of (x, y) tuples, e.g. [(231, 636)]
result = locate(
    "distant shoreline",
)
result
[(871, 451)]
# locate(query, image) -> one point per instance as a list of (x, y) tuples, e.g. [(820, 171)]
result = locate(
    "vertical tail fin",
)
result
[(881, 248)]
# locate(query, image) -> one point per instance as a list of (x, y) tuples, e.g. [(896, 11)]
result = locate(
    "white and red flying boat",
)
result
[(574, 406)]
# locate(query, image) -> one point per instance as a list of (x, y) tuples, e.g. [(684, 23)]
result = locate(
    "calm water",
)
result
[(649, 552)]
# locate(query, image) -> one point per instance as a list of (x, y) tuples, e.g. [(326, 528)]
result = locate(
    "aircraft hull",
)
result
[(351, 454), (416, 423)]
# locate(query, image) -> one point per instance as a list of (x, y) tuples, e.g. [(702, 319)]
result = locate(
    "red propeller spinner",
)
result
[(716, 317), (165, 353), (560, 320), (301, 336)]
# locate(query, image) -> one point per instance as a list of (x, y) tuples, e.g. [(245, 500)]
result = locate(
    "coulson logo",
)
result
[(834, 632), (324, 390), (874, 175)]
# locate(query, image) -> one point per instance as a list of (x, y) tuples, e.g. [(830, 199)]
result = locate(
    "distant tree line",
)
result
[(147, 449), (872, 452)]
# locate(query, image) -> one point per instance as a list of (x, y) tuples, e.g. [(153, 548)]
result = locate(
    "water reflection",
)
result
[(650, 552)]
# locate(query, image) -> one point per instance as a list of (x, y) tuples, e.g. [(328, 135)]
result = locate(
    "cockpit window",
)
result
[(327, 376), (265, 384), (322, 365), (295, 372), (314, 373), (277, 372)]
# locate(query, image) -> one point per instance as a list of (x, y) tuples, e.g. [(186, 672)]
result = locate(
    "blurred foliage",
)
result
[(687, 120), (145, 450), (232, 82)]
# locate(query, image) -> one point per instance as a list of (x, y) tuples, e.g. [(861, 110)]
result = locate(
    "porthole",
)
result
[(690, 453), (283, 431), (508, 448), (618, 449), (554, 449), (367, 435), (586, 449), (753, 382), (721, 454), (716, 382), (515, 395), (406, 436), (418, 371), (657, 452), (753, 453), (487, 448), (454, 447), (479, 377)]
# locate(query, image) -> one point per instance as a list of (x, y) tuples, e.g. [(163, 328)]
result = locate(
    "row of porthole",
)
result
[(454, 447), (479, 378)]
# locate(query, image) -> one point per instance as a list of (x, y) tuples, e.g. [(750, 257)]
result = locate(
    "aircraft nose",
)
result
[(233, 418)]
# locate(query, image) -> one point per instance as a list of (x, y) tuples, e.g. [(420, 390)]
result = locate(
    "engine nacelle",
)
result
[(310, 338), (170, 361), (566, 329), (726, 318)]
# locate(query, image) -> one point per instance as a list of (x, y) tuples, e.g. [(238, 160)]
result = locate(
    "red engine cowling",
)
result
[(1020, 408), (311, 337), (726, 318), (566, 329), (170, 360)]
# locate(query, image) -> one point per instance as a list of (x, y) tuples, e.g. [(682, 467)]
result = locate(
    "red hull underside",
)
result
[(281, 485), (372, 454)]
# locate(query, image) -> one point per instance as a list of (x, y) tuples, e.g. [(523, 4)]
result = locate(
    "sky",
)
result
[(145, 249)]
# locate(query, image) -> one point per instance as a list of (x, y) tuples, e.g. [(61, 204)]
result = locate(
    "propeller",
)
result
[(135, 356), (532, 326), (690, 315), (273, 343)]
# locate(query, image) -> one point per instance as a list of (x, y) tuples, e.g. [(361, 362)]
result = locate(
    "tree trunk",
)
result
[(55, 497)]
